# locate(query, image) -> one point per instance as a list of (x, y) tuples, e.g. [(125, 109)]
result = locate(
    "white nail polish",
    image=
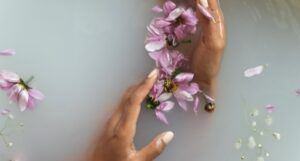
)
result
[(168, 136), (204, 3), (153, 73)]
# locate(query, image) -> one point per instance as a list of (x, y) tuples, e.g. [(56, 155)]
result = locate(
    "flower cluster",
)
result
[(165, 32), (17, 89)]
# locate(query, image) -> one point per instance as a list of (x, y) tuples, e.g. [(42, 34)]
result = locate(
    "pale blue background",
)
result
[(84, 54)]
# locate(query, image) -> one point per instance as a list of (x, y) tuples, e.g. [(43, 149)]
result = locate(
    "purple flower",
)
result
[(183, 89), (176, 20), (176, 82), (157, 100), (8, 52), (168, 60), (19, 91)]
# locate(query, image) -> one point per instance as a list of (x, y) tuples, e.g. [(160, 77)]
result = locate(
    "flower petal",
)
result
[(36, 94), (208, 98), (5, 112), (8, 52), (166, 106), (23, 100), (168, 7), (175, 14), (153, 46), (183, 95), (157, 9), (9, 76), (270, 108), (161, 116), (184, 77), (164, 97), (254, 71), (182, 104)]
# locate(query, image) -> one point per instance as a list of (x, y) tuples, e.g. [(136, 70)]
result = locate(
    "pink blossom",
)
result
[(168, 60), (19, 91), (157, 100), (8, 52), (176, 20)]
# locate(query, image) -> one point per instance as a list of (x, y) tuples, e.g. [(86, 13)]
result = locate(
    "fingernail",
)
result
[(204, 3), (168, 136), (152, 74)]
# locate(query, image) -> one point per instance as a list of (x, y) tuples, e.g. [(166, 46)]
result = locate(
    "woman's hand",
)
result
[(116, 141), (207, 56)]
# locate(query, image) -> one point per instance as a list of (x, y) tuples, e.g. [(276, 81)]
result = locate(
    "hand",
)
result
[(116, 141), (207, 56)]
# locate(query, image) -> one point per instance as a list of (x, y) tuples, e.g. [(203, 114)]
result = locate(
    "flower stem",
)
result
[(29, 80)]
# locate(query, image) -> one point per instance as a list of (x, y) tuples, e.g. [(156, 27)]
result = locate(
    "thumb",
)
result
[(156, 146)]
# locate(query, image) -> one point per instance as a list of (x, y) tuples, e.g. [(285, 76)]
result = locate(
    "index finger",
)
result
[(133, 104)]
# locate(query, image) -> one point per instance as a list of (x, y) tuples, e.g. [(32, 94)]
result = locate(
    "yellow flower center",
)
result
[(170, 86)]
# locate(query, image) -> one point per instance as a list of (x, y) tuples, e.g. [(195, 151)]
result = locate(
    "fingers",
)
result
[(116, 116), (132, 106), (156, 147)]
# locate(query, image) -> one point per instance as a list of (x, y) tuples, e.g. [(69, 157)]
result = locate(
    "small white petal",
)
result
[(10, 144), (254, 71), (253, 124), (276, 135), (11, 116), (261, 133), (254, 113), (251, 142), (238, 145), (269, 120), (259, 145), (267, 154), (260, 159)]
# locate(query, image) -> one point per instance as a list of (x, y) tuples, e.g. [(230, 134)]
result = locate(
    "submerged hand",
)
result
[(207, 56), (116, 141)]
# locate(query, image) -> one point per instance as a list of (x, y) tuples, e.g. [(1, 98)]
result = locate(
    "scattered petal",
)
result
[(238, 144), (298, 92), (270, 108), (260, 159), (254, 71), (253, 124), (251, 142), (276, 135), (261, 133), (254, 113), (8, 52), (269, 120)]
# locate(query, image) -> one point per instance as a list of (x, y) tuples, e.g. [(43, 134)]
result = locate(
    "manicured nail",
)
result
[(204, 3), (168, 136), (154, 73)]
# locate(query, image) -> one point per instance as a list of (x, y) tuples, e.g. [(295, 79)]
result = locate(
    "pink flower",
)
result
[(157, 100), (183, 89), (175, 81), (169, 61), (176, 20), (19, 91), (8, 52)]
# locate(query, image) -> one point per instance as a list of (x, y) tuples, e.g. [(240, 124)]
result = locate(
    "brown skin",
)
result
[(207, 56), (116, 141)]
